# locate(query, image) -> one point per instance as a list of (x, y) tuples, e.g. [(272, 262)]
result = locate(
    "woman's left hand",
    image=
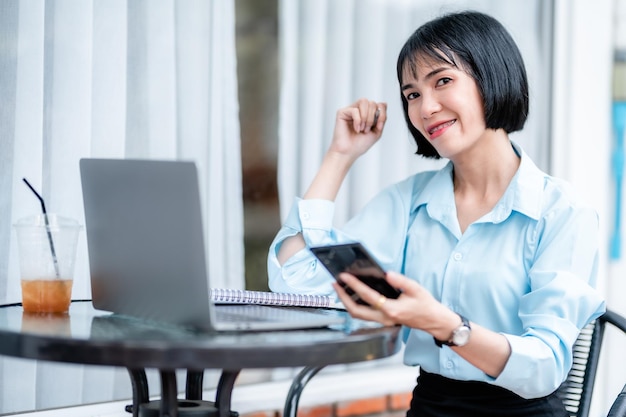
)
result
[(418, 309), (415, 307)]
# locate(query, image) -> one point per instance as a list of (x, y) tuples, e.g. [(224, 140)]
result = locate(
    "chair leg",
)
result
[(224, 393), (297, 386)]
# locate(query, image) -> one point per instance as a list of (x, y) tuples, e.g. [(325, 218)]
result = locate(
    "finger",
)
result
[(380, 302), (379, 122), (373, 115), (348, 301), (356, 310), (380, 116), (361, 311), (345, 298), (351, 115), (402, 283), (366, 108), (364, 292), (376, 116), (363, 120)]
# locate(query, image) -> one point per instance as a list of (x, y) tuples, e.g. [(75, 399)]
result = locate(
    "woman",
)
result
[(495, 259)]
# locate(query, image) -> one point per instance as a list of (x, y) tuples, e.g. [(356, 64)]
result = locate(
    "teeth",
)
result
[(441, 126)]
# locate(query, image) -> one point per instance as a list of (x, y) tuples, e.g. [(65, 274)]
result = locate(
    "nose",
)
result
[(429, 105)]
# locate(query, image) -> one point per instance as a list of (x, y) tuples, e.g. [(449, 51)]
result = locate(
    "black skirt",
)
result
[(438, 396)]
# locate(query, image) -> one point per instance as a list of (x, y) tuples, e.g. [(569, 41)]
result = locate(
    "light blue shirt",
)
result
[(527, 269)]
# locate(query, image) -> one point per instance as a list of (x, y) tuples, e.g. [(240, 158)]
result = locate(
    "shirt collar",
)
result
[(523, 194)]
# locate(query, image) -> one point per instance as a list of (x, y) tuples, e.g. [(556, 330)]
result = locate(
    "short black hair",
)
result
[(487, 52)]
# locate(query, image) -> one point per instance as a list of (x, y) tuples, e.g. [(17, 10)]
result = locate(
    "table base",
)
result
[(193, 405), (171, 406), (186, 408)]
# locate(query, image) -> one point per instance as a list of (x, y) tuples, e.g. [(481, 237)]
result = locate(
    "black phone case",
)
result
[(354, 259)]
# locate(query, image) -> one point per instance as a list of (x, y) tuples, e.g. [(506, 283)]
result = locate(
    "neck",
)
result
[(481, 179), (487, 169)]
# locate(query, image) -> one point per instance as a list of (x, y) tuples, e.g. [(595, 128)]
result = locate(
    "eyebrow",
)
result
[(428, 76)]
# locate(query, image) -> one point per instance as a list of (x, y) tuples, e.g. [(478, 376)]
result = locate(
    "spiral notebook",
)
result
[(146, 250), (237, 296)]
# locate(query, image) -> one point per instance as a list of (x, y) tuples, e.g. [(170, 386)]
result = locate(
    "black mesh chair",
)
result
[(618, 409), (577, 390)]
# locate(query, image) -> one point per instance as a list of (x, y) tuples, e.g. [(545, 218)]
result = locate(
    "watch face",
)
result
[(461, 336)]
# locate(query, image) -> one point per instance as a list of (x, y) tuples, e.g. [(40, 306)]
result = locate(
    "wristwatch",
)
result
[(460, 336)]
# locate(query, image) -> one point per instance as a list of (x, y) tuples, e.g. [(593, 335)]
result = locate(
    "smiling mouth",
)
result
[(441, 126)]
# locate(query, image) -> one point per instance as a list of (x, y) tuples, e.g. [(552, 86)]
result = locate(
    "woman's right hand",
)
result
[(358, 127)]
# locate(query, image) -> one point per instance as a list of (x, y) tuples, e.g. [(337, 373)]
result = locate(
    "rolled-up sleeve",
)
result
[(301, 273), (313, 219)]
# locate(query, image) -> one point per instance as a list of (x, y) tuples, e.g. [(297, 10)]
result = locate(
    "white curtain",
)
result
[(333, 52), (112, 78)]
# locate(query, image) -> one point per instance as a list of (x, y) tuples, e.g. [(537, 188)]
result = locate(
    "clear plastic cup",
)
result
[(47, 253)]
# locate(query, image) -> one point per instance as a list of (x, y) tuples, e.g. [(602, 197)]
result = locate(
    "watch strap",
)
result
[(449, 342)]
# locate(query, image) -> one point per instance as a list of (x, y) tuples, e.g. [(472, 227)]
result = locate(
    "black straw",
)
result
[(45, 217)]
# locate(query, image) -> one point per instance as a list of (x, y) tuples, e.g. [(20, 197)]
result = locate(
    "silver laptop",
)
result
[(146, 250)]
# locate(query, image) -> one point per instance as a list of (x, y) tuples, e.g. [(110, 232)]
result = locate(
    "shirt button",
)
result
[(306, 215), (457, 256), (449, 365)]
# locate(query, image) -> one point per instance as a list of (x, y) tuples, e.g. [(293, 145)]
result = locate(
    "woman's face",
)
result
[(445, 105)]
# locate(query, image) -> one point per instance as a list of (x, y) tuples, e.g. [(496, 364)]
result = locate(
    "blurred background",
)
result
[(299, 61), (258, 89)]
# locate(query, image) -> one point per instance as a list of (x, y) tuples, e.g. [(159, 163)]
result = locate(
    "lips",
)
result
[(438, 129)]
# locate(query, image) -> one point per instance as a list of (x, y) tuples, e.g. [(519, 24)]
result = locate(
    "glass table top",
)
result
[(89, 336)]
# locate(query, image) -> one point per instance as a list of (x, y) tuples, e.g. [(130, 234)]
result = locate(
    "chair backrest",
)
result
[(577, 389)]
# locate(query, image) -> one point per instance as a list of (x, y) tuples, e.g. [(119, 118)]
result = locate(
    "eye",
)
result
[(443, 81), (412, 96)]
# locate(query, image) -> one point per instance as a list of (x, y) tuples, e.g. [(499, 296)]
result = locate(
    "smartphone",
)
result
[(354, 259)]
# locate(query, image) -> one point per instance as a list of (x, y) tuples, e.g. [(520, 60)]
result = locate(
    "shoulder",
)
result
[(403, 195), (394, 203), (539, 194), (415, 183), (559, 195), (565, 213)]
